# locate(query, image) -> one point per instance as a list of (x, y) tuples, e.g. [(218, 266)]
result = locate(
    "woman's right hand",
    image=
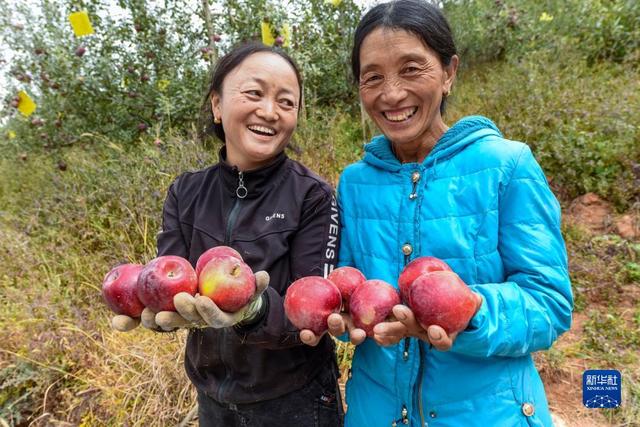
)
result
[(338, 324)]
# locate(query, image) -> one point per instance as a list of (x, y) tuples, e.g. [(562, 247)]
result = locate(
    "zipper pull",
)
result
[(241, 191), (404, 417), (415, 177)]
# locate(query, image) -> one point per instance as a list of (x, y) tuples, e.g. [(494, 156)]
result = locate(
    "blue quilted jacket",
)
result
[(482, 204)]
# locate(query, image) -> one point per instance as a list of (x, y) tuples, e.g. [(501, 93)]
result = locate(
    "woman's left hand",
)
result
[(406, 325)]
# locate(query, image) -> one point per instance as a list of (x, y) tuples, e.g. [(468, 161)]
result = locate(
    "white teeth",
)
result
[(262, 129), (401, 116)]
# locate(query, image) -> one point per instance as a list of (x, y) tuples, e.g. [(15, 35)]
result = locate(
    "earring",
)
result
[(216, 120), (447, 92)]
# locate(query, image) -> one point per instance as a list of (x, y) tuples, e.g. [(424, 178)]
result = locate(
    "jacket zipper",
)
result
[(405, 354), (415, 177), (241, 193), (420, 408)]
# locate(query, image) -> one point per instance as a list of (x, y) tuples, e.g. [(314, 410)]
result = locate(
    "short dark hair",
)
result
[(224, 66), (418, 17)]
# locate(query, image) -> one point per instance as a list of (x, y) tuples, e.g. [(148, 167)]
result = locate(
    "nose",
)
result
[(393, 91), (267, 111)]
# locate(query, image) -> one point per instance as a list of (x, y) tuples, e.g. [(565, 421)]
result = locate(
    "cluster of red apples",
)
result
[(220, 274), (435, 294)]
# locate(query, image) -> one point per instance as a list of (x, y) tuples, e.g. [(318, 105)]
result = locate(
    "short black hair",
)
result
[(224, 66), (418, 17)]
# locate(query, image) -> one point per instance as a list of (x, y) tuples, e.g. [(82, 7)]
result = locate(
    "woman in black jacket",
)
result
[(250, 367)]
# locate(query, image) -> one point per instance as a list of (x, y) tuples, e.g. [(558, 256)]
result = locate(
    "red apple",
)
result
[(309, 302), (215, 252), (119, 290), (371, 303), (164, 277), (228, 281), (416, 268), (442, 298), (346, 279)]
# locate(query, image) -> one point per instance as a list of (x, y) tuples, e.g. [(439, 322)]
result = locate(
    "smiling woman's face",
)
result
[(258, 107), (402, 83)]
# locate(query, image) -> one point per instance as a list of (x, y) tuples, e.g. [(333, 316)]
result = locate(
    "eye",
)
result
[(287, 102), (253, 93), (371, 79), (410, 69)]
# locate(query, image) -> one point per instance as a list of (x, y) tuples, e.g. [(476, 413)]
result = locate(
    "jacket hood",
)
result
[(465, 132)]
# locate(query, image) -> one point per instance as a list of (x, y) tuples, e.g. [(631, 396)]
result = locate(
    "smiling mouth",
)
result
[(400, 115), (262, 130)]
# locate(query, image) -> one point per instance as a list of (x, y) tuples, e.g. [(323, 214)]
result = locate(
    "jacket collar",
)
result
[(465, 132), (255, 181)]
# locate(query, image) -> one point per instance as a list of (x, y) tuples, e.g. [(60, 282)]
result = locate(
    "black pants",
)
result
[(317, 404)]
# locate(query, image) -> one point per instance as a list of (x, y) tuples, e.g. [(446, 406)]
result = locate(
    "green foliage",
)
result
[(141, 69), (498, 29), (601, 267), (611, 335), (320, 41), (145, 68), (612, 32), (632, 271), (19, 383)]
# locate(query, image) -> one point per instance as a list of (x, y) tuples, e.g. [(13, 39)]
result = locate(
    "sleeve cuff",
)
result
[(250, 325)]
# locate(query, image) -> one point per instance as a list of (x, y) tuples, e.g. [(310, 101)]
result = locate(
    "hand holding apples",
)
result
[(137, 292), (346, 279), (215, 317), (309, 303), (124, 285), (441, 306), (228, 293)]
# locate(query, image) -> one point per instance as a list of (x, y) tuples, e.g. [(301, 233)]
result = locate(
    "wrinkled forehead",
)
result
[(267, 69), (387, 45)]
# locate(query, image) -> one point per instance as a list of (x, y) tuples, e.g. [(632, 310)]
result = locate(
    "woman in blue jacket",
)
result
[(468, 196)]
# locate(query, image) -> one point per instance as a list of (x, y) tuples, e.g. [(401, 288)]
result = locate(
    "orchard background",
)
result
[(83, 178)]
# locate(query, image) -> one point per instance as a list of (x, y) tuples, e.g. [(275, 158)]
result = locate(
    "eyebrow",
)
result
[(263, 82), (404, 58)]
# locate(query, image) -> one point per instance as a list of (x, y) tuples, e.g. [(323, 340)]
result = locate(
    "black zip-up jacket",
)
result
[(286, 225)]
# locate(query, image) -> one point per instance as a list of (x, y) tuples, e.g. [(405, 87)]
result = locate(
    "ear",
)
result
[(450, 73), (216, 102)]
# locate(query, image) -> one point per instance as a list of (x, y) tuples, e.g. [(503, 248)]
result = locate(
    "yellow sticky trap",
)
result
[(545, 17), (26, 105), (286, 35), (162, 85), (267, 34), (11, 134), (335, 3), (80, 23)]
